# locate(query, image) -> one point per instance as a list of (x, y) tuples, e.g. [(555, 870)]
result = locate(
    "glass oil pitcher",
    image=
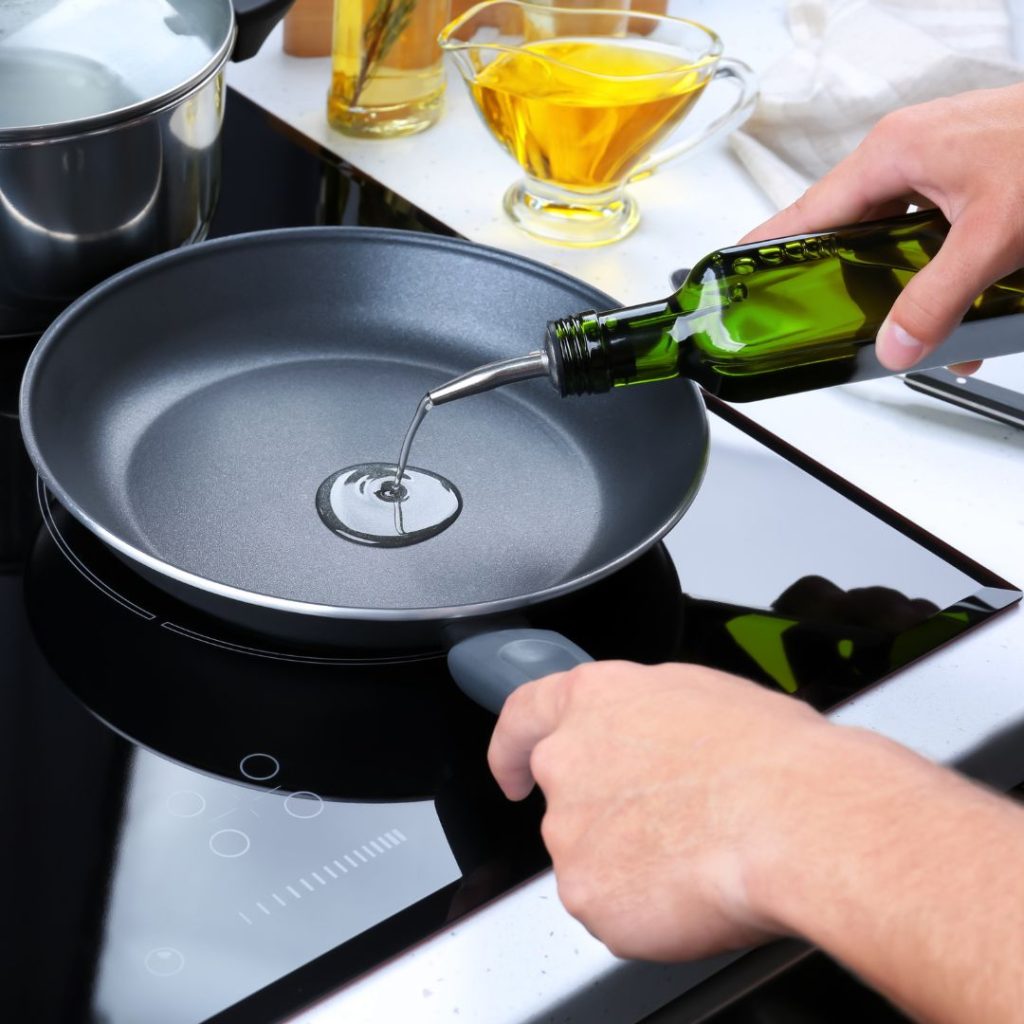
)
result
[(582, 97)]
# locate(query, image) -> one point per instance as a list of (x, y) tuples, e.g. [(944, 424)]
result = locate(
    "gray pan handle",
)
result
[(489, 666), (977, 395)]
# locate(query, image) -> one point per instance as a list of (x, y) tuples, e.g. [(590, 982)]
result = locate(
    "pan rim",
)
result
[(51, 337)]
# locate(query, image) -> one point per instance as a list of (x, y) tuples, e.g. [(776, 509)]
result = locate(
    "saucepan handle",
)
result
[(489, 666), (255, 20)]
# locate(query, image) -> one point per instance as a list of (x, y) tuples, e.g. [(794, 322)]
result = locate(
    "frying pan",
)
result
[(187, 410)]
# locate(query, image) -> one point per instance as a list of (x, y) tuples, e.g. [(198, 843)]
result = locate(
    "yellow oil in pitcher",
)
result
[(583, 113)]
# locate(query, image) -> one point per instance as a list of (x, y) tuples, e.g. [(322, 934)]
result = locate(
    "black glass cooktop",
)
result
[(205, 824)]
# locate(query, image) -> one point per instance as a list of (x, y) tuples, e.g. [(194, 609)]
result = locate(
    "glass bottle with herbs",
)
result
[(387, 76)]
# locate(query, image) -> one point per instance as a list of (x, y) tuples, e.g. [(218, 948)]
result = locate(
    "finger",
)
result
[(855, 188), (936, 298), (529, 715)]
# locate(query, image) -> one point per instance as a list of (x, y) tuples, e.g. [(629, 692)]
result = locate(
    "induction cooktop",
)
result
[(205, 824)]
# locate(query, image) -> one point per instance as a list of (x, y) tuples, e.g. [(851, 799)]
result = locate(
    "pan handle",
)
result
[(489, 666), (255, 20)]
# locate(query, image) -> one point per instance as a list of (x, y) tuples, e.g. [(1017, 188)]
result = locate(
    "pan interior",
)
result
[(225, 481), (191, 407)]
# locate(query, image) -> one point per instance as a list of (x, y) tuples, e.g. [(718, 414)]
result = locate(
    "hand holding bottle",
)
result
[(962, 154)]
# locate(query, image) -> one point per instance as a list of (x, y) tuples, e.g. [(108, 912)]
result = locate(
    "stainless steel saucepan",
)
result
[(110, 119)]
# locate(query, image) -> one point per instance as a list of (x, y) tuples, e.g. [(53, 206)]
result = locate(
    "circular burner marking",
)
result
[(164, 961), (259, 767), (186, 803), (230, 843), (306, 804)]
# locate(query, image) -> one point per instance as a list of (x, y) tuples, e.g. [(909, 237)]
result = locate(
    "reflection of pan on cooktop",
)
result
[(348, 725)]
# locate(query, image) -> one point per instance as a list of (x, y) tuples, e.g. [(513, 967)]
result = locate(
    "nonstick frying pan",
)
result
[(187, 410)]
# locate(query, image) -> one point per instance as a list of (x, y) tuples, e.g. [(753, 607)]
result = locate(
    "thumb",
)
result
[(974, 255)]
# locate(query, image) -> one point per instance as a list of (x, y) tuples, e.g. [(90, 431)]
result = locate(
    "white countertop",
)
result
[(456, 171), (957, 475)]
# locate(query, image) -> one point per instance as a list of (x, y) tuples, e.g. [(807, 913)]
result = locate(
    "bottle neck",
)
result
[(590, 353)]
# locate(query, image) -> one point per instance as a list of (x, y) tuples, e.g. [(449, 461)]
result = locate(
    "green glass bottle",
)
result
[(778, 317)]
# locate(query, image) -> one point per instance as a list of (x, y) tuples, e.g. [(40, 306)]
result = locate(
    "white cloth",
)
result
[(853, 62)]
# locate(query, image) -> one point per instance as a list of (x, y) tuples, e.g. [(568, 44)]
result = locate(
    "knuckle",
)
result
[(544, 761), (925, 315), (575, 678), (612, 672), (605, 917), (898, 138), (619, 946), (520, 699), (553, 832), (581, 679), (1011, 230), (576, 892), (801, 206), (895, 125)]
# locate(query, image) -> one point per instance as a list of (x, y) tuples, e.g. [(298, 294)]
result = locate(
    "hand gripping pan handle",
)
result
[(489, 666)]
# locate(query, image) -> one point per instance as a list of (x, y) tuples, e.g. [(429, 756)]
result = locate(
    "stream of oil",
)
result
[(403, 459), (389, 505)]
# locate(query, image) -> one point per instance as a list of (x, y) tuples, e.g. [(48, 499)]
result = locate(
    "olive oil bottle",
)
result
[(778, 317), (758, 321)]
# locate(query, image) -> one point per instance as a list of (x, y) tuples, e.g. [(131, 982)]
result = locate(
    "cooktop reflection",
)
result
[(210, 825), (281, 818)]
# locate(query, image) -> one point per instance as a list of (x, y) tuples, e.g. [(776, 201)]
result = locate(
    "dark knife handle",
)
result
[(979, 396)]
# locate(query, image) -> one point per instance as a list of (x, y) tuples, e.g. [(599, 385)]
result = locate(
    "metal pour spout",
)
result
[(483, 378), (492, 375)]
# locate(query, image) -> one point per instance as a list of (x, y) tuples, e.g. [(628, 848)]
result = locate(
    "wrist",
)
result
[(843, 804), (903, 871)]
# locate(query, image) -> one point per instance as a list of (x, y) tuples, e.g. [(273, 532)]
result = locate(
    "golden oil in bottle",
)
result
[(387, 77)]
